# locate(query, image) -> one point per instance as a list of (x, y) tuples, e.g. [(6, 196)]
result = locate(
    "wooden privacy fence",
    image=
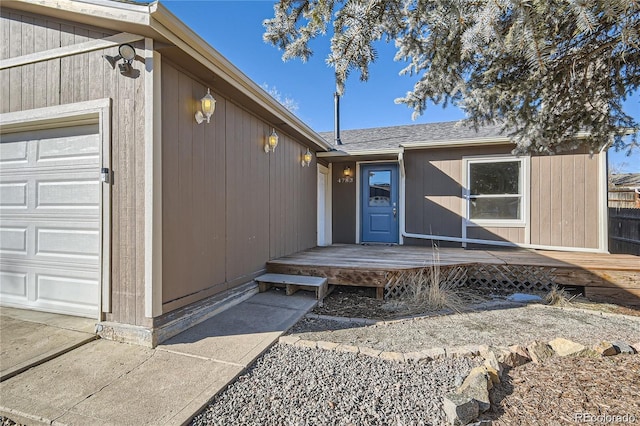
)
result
[(624, 230)]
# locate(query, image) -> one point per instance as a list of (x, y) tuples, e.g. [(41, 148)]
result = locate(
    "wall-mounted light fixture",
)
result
[(208, 106), (272, 142), (127, 53), (346, 175), (306, 158)]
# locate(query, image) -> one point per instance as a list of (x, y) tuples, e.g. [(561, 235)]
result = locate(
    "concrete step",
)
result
[(293, 283)]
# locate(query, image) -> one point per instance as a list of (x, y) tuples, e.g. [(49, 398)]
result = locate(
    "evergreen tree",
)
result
[(554, 73)]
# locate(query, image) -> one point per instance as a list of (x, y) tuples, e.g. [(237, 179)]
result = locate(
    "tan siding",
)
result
[(343, 205), (84, 77), (228, 207), (564, 200), (515, 235), (434, 195)]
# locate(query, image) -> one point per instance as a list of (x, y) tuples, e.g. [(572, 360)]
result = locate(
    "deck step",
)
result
[(293, 283)]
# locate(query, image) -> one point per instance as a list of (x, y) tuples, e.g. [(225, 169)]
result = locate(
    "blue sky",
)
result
[(234, 28)]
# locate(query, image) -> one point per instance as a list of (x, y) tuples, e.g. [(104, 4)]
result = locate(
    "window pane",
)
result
[(494, 208), (494, 178), (380, 188)]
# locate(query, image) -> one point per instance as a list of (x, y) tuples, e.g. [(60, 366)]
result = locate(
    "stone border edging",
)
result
[(471, 398)]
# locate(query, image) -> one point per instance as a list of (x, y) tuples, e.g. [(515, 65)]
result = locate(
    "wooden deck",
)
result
[(605, 277)]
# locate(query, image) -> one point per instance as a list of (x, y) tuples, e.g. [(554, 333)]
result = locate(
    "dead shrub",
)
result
[(433, 288), (558, 297)]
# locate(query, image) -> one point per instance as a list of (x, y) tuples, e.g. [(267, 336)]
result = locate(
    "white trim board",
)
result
[(152, 182), (74, 49)]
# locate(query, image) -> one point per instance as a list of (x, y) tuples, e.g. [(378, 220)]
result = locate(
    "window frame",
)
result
[(524, 189)]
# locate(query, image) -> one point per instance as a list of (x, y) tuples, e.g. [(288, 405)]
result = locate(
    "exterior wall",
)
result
[(559, 199), (343, 205), (564, 200), (228, 207), (84, 77), (434, 194)]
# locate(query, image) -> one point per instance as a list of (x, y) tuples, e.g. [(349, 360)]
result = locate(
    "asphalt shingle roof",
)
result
[(379, 138)]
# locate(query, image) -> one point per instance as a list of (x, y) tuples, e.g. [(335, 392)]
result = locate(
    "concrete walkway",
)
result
[(29, 338), (109, 383)]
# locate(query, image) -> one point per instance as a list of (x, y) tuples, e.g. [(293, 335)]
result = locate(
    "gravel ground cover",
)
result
[(507, 326), (302, 386)]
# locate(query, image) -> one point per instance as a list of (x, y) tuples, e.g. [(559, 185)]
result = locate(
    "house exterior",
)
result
[(115, 203), (121, 201), (451, 184)]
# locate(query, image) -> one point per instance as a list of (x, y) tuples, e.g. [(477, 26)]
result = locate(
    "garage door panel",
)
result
[(72, 194), (13, 284), (13, 195), (76, 291), (71, 243), (74, 149), (13, 240), (50, 218), (51, 147), (13, 154)]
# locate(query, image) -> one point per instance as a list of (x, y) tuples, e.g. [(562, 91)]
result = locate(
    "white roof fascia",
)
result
[(456, 142), (329, 154)]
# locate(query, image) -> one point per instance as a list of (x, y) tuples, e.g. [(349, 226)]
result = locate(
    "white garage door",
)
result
[(50, 220)]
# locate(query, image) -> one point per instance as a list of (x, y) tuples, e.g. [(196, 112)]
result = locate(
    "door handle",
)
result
[(395, 211)]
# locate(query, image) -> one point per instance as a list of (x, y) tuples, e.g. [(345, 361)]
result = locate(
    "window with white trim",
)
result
[(495, 190)]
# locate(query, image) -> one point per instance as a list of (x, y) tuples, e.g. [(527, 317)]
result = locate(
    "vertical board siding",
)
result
[(343, 205), (564, 198), (78, 78), (228, 207), (434, 195)]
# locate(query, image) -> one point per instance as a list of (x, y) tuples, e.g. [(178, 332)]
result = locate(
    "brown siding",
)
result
[(564, 200), (343, 205), (228, 207), (434, 195), (78, 78), (563, 203)]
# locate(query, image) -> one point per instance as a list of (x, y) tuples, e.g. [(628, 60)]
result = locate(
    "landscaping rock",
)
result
[(392, 356), (306, 344), (539, 351), (288, 340), (623, 348), (347, 348), (460, 409), (465, 350), (515, 356), (524, 298), (491, 361), (636, 347), (434, 353), (564, 347), (477, 386), (493, 375), (329, 346), (365, 350), (605, 349)]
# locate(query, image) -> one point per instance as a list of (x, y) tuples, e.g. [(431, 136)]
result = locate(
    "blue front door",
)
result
[(379, 203)]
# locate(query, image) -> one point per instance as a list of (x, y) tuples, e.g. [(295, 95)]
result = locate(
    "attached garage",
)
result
[(51, 216)]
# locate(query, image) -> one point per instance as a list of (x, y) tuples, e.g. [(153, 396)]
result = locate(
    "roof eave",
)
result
[(501, 140)]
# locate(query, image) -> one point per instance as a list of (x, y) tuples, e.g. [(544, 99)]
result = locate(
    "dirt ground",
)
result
[(361, 302), (569, 391)]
